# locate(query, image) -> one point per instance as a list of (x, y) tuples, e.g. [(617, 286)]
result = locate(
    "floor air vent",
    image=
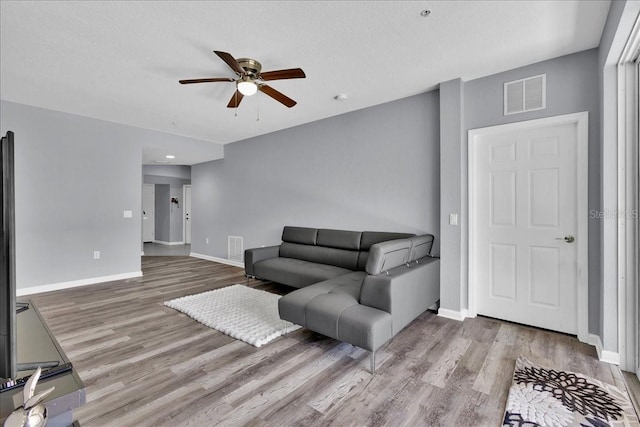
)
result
[(525, 95), (235, 248)]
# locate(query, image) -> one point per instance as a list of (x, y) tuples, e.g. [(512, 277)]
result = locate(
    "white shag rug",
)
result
[(244, 313)]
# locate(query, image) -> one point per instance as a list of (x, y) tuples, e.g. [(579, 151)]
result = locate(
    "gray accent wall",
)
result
[(452, 292), (168, 226), (571, 87), (572, 82), (162, 213), (175, 214), (75, 176), (372, 169)]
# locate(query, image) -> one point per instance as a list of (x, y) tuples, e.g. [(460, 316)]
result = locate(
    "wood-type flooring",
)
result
[(144, 364)]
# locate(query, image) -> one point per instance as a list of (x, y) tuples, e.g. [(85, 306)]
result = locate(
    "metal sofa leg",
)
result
[(372, 359)]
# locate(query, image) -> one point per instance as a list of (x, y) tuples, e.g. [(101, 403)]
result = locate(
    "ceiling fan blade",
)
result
[(213, 79), (235, 100), (231, 61), (291, 73), (278, 96)]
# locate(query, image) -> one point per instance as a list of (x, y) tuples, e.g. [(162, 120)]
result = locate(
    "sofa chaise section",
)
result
[(368, 308)]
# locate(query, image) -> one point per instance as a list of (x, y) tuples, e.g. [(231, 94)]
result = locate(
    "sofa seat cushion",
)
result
[(292, 308), (296, 272), (332, 308)]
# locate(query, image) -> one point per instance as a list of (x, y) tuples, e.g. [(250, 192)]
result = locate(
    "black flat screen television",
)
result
[(8, 344)]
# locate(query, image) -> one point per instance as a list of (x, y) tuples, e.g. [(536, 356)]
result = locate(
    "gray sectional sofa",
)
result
[(357, 287)]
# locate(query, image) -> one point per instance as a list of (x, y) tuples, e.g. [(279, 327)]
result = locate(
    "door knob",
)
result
[(568, 239)]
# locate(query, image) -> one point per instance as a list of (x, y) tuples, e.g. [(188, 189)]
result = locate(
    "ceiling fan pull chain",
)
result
[(258, 108), (235, 95)]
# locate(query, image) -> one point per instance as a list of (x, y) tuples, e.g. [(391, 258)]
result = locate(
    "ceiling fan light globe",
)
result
[(247, 88)]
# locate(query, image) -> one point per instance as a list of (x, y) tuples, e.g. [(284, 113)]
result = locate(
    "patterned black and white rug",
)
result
[(547, 397)]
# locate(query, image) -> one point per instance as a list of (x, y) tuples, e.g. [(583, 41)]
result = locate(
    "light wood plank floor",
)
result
[(147, 365)]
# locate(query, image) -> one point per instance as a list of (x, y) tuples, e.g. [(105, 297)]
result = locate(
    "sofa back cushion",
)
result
[(421, 246), (302, 235), (384, 256), (342, 248), (339, 239), (339, 257), (370, 238)]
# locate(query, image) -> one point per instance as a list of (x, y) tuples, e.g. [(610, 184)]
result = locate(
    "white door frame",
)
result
[(627, 220), (142, 211), (581, 120), (184, 211)]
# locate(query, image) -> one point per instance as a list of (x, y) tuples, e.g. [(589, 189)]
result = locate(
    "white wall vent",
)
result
[(528, 94), (235, 251)]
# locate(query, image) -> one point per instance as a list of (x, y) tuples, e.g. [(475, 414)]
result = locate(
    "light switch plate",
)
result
[(127, 214), (453, 219)]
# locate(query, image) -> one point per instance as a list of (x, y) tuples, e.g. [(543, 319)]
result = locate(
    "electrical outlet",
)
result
[(96, 254), (453, 219), (206, 240)]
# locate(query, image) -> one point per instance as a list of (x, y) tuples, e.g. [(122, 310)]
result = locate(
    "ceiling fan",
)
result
[(250, 78)]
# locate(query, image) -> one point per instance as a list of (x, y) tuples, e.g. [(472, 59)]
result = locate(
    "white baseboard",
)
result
[(603, 355), (453, 314), (162, 242), (76, 283), (216, 259)]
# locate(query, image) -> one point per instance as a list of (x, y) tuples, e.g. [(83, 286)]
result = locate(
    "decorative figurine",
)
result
[(32, 413)]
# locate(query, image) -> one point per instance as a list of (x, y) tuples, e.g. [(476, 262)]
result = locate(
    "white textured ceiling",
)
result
[(121, 61)]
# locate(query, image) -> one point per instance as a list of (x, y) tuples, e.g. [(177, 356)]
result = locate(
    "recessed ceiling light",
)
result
[(170, 156), (425, 13)]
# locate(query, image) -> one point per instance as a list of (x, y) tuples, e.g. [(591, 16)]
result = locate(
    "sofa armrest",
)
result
[(251, 256), (405, 292)]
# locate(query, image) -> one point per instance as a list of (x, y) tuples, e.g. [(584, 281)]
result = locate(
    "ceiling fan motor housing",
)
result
[(251, 66)]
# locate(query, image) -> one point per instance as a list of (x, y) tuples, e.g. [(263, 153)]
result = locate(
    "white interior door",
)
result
[(187, 214), (148, 207), (525, 238)]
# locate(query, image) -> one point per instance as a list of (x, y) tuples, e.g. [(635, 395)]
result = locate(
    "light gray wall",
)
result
[(372, 169), (74, 178), (571, 87), (171, 171), (173, 182)]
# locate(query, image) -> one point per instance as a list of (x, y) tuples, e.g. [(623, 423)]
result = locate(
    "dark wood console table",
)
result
[(37, 343)]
